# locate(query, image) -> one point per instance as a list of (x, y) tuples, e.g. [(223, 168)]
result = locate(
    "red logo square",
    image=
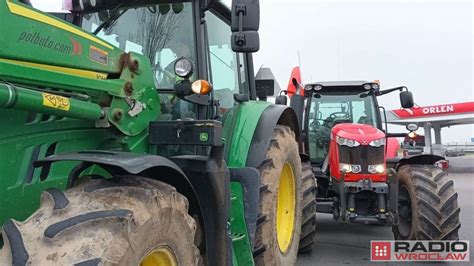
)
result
[(380, 250)]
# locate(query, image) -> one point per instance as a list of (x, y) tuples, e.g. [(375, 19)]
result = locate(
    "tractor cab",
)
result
[(181, 48), (333, 104)]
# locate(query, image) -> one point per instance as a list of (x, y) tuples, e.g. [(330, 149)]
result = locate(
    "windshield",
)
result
[(162, 32), (329, 110)]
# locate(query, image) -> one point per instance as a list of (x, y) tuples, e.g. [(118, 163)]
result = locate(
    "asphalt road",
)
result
[(339, 244)]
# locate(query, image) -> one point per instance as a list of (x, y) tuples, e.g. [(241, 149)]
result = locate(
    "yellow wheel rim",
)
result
[(285, 223), (161, 256)]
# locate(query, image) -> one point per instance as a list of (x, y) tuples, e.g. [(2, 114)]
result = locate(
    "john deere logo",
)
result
[(203, 136)]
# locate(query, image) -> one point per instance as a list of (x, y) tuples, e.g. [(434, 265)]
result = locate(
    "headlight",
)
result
[(412, 135), (347, 142), (376, 169), (183, 67), (318, 87), (349, 168), (377, 142)]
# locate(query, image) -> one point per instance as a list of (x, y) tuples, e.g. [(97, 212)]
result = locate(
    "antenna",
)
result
[(338, 60), (299, 64), (299, 58)]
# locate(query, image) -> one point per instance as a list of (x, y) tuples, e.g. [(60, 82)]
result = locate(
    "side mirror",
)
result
[(281, 100), (406, 99), (245, 24), (412, 127), (245, 42), (264, 88)]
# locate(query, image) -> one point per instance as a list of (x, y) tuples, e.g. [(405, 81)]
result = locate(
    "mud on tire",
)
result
[(308, 227), (103, 222), (428, 206), (283, 149)]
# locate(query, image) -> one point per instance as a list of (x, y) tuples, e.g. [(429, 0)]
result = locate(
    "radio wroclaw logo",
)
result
[(437, 250), (380, 250)]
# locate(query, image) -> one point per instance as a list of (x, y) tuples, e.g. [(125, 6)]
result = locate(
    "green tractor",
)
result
[(132, 135)]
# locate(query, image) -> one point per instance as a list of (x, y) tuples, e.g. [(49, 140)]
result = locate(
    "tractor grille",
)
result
[(362, 155)]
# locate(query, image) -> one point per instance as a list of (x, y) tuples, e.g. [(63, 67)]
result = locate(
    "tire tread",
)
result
[(435, 203)]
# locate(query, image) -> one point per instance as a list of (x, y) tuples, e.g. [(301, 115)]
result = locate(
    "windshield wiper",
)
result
[(110, 20), (222, 61)]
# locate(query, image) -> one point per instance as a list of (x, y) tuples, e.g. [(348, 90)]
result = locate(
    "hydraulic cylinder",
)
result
[(12, 96)]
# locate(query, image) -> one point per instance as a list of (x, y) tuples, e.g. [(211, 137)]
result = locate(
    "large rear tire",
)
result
[(279, 226), (308, 227), (428, 206), (124, 221)]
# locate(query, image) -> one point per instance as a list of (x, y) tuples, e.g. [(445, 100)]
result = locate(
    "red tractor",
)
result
[(346, 140)]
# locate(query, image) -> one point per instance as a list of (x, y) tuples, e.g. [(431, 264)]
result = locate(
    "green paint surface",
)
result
[(26, 37), (21, 184), (239, 127), (239, 235)]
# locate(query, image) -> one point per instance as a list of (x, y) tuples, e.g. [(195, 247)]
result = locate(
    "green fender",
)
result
[(247, 132), (248, 129), (239, 127)]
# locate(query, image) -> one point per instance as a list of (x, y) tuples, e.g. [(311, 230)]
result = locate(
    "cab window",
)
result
[(227, 69), (329, 110), (162, 32)]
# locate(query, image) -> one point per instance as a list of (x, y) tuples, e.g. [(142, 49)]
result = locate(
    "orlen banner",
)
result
[(421, 111)]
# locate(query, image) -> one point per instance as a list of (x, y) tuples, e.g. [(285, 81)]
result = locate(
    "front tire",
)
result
[(279, 226), (124, 221), (428, 206)]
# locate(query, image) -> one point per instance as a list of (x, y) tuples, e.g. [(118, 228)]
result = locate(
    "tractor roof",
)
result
[(350, 83), (341, 87)]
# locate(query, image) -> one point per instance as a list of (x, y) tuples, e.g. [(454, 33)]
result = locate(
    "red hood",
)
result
[(360, 132)]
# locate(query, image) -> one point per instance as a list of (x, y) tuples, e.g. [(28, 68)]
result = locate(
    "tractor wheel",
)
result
[(308, 228), (128, 220), (428, 207), (279, 225)]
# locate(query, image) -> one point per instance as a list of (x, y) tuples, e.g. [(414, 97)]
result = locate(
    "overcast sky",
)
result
[(426, 46)]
